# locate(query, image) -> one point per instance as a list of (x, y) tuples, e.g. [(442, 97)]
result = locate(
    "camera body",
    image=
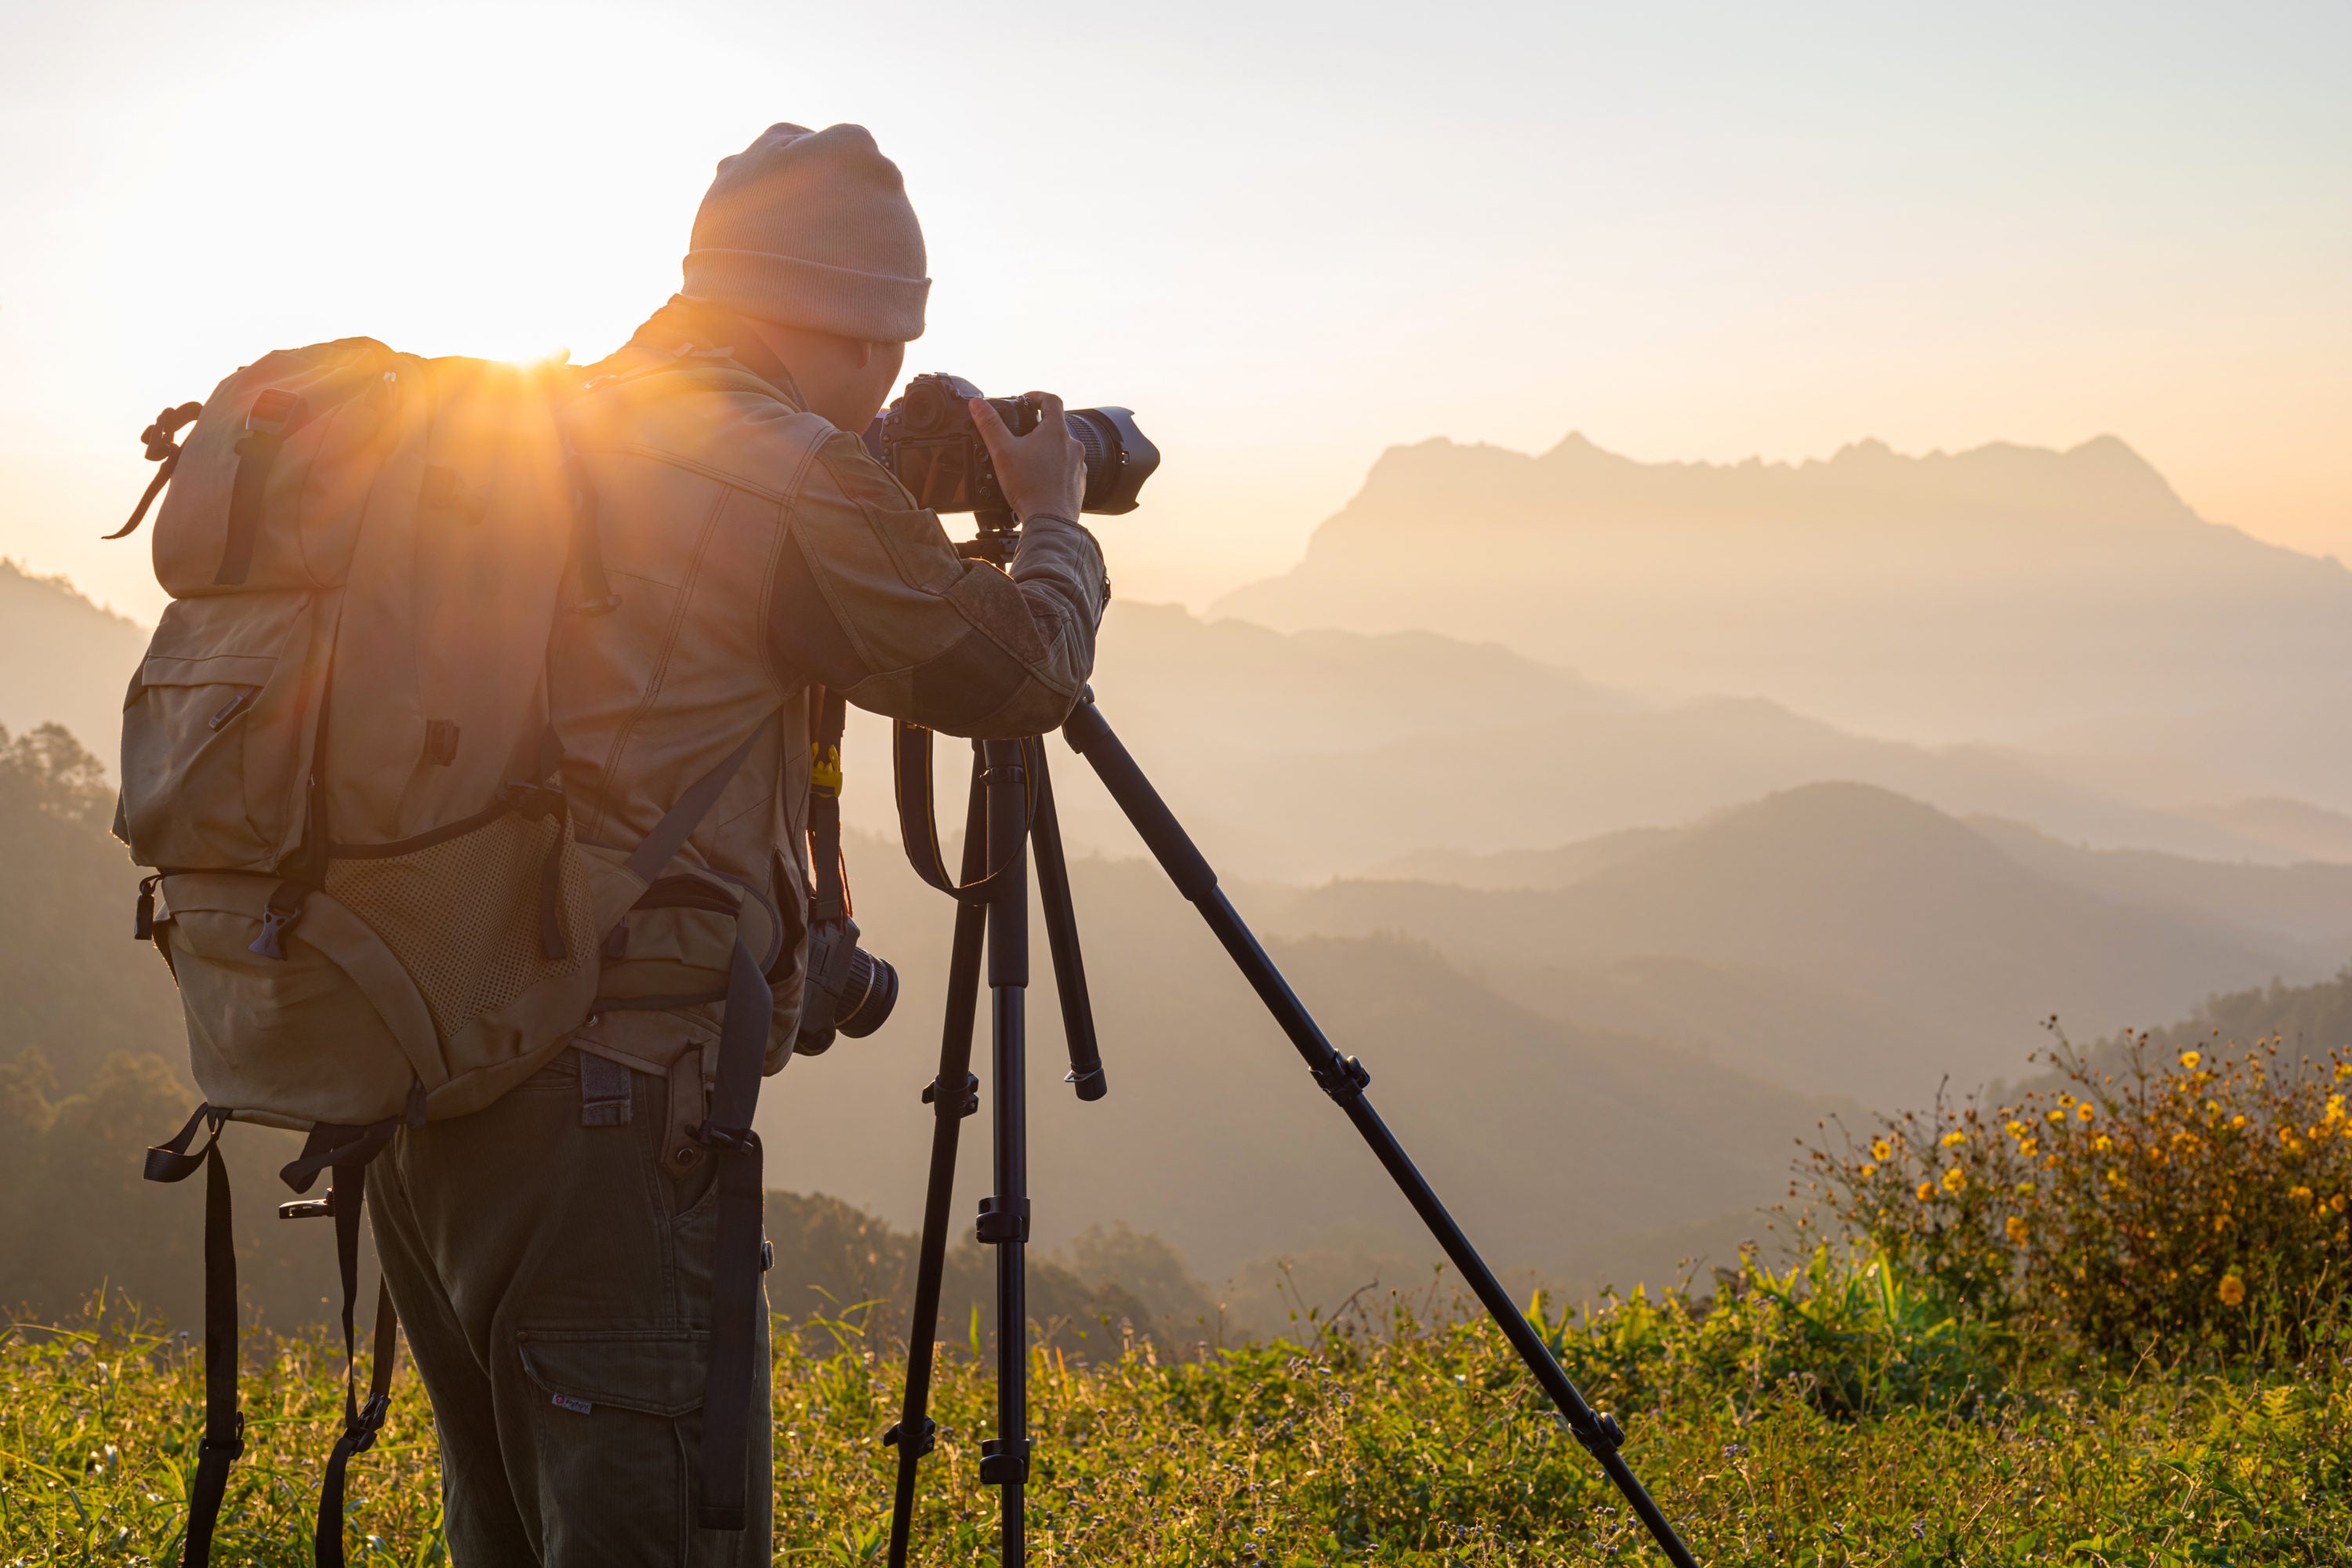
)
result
[(928, 440)]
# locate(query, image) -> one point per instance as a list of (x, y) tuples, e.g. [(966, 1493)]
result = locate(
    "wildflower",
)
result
[(1927, 1191), (2102, 1144), (2028, 1148), (2336, 1202), (2015, 1129), (1879, 1149), (1869, 1169), (1955, 1179), (2057, 1116), (2335, 1108), (2083, 1112), (1954, 1138), (2232, 1290), (2343, 1071), (2300, 1194), (2016, 1228), (2190, 1059), (2239, 1120)]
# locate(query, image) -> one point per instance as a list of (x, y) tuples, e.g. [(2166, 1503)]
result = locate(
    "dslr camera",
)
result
[(926, 437)]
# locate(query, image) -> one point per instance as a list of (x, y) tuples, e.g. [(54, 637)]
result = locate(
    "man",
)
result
[(550, 1256)]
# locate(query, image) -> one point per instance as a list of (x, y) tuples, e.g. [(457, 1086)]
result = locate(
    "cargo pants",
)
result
[(552, 1271)]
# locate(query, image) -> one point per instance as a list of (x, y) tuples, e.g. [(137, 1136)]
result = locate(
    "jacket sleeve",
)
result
[(870, 598)]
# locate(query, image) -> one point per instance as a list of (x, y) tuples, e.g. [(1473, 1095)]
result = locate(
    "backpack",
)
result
[(338, 760)]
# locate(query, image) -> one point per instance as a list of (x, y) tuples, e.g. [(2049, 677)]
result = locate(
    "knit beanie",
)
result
[(811, 228)]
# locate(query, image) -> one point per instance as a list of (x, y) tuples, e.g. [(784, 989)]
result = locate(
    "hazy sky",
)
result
[(1288, 235)]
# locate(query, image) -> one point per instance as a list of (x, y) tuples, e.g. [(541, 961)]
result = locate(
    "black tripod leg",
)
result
[(1061, 935), (1004, 1216), (952, 1098), (1343, 1078)]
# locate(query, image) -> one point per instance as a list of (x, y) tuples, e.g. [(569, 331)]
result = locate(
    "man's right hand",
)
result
[(1041, 473)]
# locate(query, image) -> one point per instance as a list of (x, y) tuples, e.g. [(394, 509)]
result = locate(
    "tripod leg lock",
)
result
[(1001, 1466), (999, 1225), (896, 1438), (1342, 1078), (1602, 1437), (968, 1106)]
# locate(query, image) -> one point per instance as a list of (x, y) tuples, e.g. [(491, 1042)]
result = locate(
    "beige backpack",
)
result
[(337, 758)]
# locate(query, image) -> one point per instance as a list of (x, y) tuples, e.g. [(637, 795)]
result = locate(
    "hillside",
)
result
[(1836, 938), (63, 660), (1549, 1138), (1986, 595)]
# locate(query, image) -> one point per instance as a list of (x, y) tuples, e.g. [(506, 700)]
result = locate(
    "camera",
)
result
[(926, 437), (848, 990)]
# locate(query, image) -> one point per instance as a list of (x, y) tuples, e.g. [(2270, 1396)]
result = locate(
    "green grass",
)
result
[(1840, 1419)]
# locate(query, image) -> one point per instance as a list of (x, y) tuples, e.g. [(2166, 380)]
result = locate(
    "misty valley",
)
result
[(1740, 799)]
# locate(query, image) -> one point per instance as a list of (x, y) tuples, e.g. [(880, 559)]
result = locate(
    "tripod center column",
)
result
[(1004, 1214)]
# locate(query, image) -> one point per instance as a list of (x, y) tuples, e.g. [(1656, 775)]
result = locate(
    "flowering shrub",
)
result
[(2199, 1200)]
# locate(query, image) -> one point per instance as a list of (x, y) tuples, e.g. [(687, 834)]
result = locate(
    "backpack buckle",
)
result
[(285, 907), (737, 1141)]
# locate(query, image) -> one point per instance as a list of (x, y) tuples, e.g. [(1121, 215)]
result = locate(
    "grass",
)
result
[(1835, 1414)]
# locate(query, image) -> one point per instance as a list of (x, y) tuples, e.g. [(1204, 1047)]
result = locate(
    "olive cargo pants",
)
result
[(554, 1281)]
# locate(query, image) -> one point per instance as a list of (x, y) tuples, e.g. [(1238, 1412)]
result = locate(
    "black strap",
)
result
[(735, 1270), (274, 417), (677, 824), (918, 828), (830, 717), (223, 1438), (348, 1196)]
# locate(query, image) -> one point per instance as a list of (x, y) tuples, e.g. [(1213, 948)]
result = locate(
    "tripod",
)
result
[(1009, 814)]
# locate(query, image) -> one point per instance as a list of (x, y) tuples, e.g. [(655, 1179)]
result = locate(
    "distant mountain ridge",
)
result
[(1984, 594), (1838, 938), (63, 660)]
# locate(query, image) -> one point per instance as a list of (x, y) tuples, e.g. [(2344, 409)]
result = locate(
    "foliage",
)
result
[(2192, 1204), (1771, 1426)]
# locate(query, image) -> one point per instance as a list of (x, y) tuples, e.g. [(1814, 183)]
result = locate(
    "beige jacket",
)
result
[(756, 551)]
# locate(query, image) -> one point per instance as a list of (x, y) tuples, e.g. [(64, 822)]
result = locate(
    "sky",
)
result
[(1288, 236)]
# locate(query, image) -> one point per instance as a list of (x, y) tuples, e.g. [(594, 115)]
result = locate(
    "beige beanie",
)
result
[(811, 228)]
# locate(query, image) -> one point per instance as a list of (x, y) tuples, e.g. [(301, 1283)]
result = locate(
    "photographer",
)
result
[(552, 1255)]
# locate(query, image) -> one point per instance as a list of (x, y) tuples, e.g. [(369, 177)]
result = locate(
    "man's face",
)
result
[(873, 387)]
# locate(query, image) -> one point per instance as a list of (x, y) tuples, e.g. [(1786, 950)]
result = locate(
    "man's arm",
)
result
[(870, 598)]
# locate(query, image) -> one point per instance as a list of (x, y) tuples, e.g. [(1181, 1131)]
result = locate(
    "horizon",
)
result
[(1692, 235)]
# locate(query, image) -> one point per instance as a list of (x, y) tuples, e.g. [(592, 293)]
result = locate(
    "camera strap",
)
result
[(919, 827), (828, 716)]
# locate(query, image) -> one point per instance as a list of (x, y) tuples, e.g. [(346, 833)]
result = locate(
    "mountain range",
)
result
[(2002, 594)]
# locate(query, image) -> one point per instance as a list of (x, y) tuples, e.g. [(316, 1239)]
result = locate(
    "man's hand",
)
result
[(1042, 472)]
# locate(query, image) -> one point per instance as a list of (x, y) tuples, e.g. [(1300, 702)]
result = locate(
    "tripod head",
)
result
[(999, 537)]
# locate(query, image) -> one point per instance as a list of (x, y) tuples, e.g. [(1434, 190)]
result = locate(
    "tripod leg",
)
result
[(952, 1098), (1004, 1216), (1343, 1078), (1061, 935)]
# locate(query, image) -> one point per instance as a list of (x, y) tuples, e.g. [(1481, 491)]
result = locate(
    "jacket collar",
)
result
[(684, 325)]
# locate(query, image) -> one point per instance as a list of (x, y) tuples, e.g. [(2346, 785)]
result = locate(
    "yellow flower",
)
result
[(2083, 1112), (2028, 1148), (2232, 1290), (2102, 1144), (1869, 1169), (2057, 1116), (2016, 1228), (1927, 1191), (2336, 1202), (2335, 1108), (2343, 1070), (2239, 1120), (2065, 1100), (1880, 1148), (1954, 1138), (1955, 1179), (2300, 1194), (2220, 1223), (2015, 1129), (2190, 1059)]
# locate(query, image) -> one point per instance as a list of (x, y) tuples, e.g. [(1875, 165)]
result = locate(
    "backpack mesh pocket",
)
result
[(466, 917)]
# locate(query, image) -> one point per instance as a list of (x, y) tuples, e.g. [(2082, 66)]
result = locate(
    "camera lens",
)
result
[(867, 1000)]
